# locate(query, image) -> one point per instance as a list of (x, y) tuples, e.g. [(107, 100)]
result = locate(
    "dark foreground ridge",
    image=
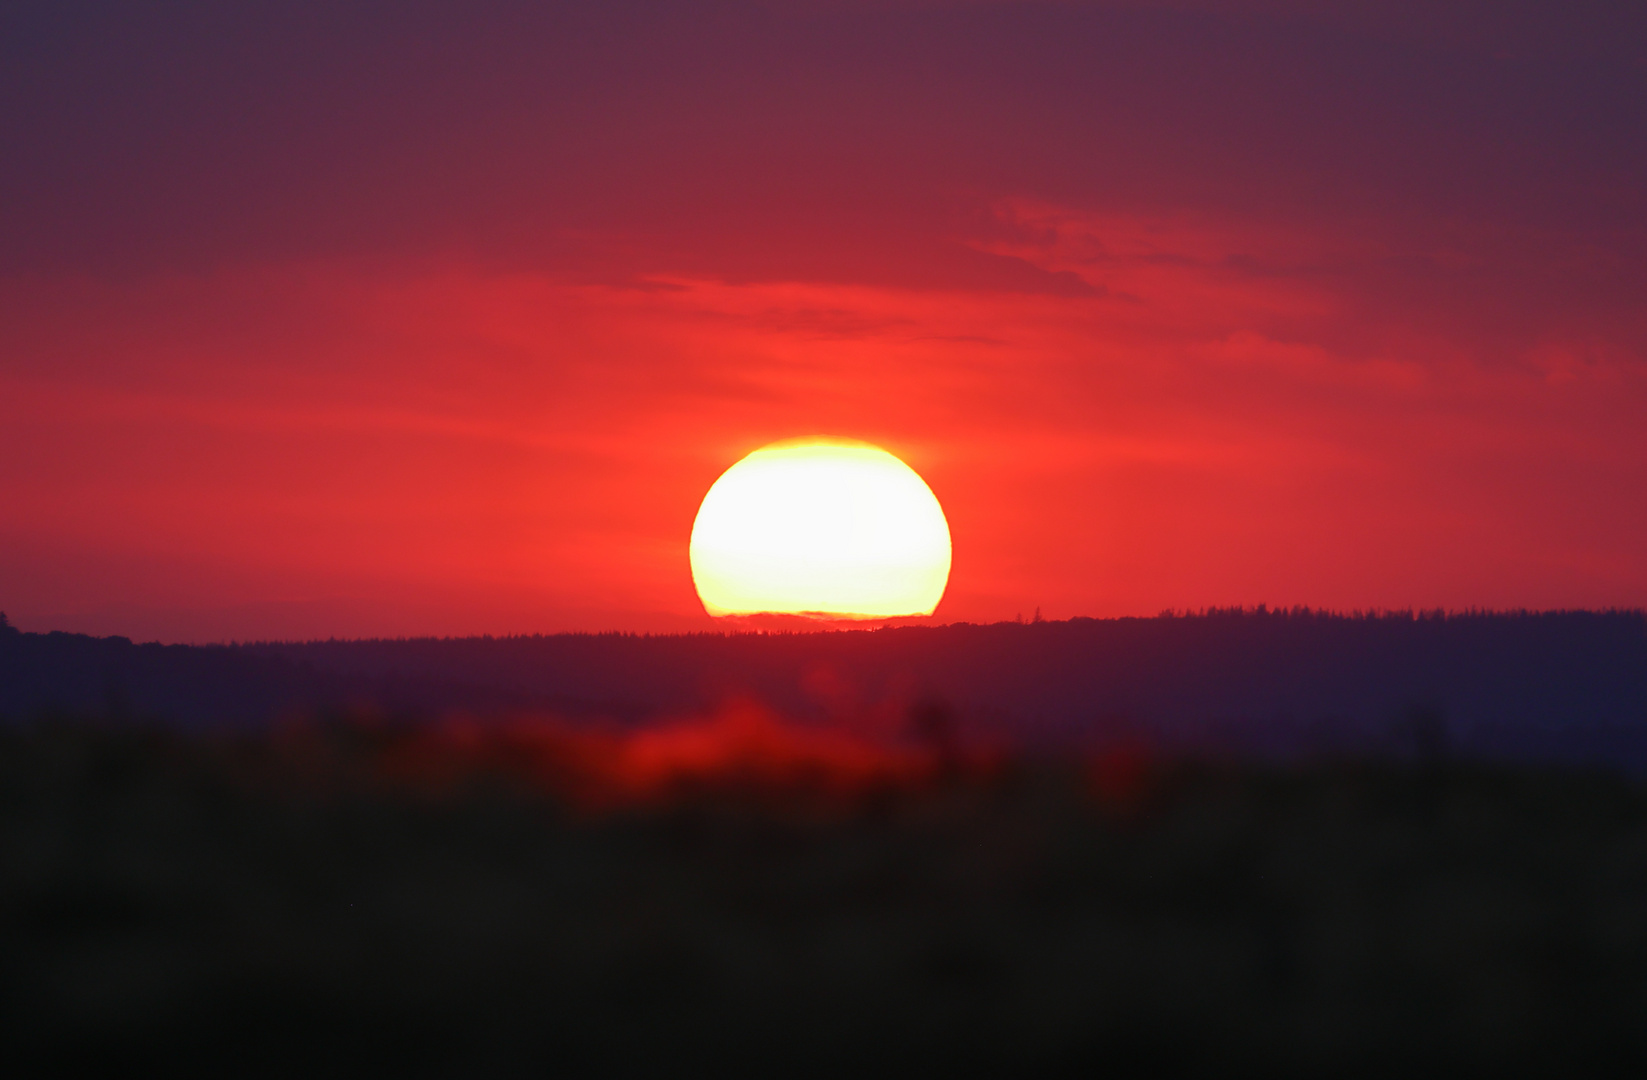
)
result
[(1277, 843), (1272, 685), (278, 905)]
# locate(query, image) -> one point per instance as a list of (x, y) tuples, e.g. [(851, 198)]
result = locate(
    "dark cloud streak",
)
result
[(751, 142)]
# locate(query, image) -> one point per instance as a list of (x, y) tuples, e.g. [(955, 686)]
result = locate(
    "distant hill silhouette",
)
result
[(1568, 686)]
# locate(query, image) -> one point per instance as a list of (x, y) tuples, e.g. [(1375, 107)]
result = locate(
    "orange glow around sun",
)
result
[(820, 527)]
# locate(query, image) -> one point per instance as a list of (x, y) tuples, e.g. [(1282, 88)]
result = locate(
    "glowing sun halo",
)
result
[(820, 527)]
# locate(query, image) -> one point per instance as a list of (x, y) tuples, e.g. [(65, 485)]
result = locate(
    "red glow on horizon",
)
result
[(742, 746)]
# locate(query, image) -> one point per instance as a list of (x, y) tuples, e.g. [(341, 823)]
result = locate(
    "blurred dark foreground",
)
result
[(525, 900)]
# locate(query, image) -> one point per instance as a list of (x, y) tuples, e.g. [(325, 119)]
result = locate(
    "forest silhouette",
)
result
[(1272, 685)]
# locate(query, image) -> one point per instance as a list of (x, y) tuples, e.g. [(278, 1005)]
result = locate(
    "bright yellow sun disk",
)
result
[(820, 527)]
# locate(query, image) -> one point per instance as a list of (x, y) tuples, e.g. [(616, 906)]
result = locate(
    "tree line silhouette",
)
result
[(1568, 686)]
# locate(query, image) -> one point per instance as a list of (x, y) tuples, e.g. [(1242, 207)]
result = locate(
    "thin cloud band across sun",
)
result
[(820, 526)]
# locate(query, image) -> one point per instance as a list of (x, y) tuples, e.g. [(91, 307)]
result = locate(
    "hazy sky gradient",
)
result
[(422, 318)]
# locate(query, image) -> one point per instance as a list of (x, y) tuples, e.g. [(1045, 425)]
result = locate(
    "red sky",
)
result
[(438, 320)]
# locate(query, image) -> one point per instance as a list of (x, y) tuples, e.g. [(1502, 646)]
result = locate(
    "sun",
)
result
[(823, 527)]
